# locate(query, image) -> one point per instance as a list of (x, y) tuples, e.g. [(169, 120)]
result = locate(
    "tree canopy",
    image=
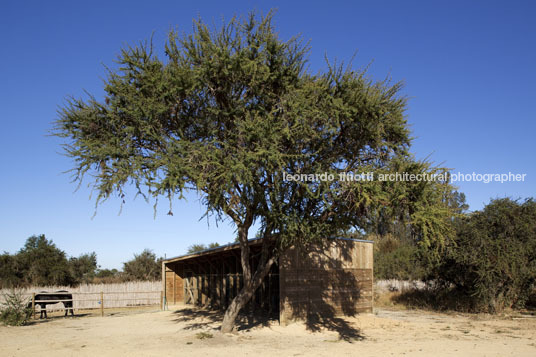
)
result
[(229, 113), (41, 262), (144, 266), (84, 267), (194, 248)]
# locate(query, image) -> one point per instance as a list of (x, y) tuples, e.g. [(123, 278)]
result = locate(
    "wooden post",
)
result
[(208, 285), (102, 304), (174, 288), (270, 293), (33, 306), (161, 300), (198, 289), (224, 290), (164, 278)]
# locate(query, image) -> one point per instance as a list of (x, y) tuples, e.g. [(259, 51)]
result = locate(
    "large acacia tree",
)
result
[(228, 113)]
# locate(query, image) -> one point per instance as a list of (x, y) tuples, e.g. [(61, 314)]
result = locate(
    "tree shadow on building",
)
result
[(321, 285)]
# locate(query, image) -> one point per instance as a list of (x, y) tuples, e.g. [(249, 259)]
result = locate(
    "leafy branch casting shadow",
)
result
[(317, 322), (328, 283), (336, 286), (201, 318)]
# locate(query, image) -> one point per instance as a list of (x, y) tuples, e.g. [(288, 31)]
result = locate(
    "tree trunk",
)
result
[(251, 281), (229, 319), (245, 294)]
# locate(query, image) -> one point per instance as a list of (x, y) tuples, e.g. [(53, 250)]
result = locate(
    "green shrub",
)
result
[(203, 335), (394, 259), (493, 261), (15, 310)]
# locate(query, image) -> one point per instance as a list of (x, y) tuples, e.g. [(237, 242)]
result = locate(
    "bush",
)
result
[(10, 274), (394, 259), (15, 311), (144, 266), (493, 261)]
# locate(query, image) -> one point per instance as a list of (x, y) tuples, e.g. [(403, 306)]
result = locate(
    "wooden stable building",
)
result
[(324, 280)]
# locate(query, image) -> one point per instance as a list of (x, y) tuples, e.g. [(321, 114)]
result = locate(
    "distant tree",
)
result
[(457, 201), (107, 273), (83, 268), (232, 113), (194, 248), (108, 276), (10, 274), (144, 266), (42, 263)]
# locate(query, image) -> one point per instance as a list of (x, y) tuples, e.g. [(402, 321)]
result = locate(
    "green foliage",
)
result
[(229, 112), (194, 248), (42, 263), (107, 273), (83, 268), (144, 266), (15, 310), (10, 274), (213, 245), (395, 259), (108, 276), (493, 260), (203, 335)]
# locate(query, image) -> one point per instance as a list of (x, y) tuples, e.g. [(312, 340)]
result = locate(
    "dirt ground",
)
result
[(192, 332)]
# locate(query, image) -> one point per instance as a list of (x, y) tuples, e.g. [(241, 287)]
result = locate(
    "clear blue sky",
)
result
[(469, 68)]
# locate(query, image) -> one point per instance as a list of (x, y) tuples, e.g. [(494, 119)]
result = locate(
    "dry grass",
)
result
[(387, 292)]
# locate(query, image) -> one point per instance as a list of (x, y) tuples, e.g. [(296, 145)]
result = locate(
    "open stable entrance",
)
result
[(212, 278)]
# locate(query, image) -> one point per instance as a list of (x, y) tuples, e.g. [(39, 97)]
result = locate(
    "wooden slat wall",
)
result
[(174, 284), (214, 280), (330, 280), (169, 285)]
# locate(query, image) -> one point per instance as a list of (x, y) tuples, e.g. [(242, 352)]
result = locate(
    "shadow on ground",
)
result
[(54, 318), (199, 318), (347, 332)]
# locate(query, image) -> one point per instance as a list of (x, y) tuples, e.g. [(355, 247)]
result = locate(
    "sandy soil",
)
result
[(187, 331)]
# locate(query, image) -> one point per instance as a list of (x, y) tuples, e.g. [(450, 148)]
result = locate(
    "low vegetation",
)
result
[(15, 311), (492, 263), (203, 335), (397, 259), (489, 266)]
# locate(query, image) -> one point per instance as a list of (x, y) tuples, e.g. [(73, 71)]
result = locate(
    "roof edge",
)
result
[(236, 245)]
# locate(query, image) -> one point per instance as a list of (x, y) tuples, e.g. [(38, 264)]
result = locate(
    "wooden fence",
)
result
[(88, 296), (101, 300)]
